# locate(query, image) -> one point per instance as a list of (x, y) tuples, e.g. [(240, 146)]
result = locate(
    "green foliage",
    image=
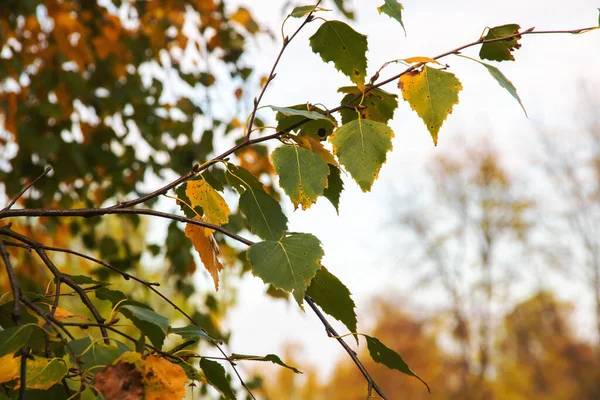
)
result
[(289, 263), (334, 298), (337, 42), (361, 146), (393, 9), (500, 50), (302, 174), (215, 375), (88, 84), (384, 355)]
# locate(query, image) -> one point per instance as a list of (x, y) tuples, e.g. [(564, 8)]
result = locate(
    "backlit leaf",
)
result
[(432, 94), (62, 314), (503, 81), (334, 298), (243, 17), (43, 373), (382, 354), (216, 210), (310, 143), (301, 11), (191, 332), (393, 9), (215, 375), (207, 248), (289, 263), (269, 357), (96, 354), (317, 128), (378, 104), (361, 146), (303, 113), (500, 50), (413, 60), (264, 214), (12, 339), (302, 174), (10, 368), (152, 324), (334, 188), (335, 41)]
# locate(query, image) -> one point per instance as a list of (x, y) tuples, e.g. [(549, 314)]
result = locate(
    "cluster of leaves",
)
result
[(87, 63)]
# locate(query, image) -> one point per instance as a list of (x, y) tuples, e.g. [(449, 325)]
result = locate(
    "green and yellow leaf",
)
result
[(500, 50), (361, 146), (432, 94), (302, 174)]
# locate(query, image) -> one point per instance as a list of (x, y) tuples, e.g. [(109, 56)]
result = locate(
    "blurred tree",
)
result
[(540, 356), (465, 229), (571, 163)]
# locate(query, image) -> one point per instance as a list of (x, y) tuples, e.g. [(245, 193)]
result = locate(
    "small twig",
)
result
[(26, 188), (332, 333), (23, 374), (272, 74), (14, 284)]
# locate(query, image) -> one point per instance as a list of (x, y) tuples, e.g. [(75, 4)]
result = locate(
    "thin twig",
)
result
[(14, 284), (26, 188), (332, 333), (272, 74)]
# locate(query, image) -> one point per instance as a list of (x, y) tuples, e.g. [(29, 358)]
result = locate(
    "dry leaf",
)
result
[(207, 248)]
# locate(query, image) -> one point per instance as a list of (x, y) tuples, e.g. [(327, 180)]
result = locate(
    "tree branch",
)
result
[(26, 188)]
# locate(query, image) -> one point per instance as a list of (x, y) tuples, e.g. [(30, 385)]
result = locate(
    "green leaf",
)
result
[(148, 322), (96, 354), (316, 128), (432, 94), (335, 41), (114, 296), (334, 298), (264, 214), (42, 373), (269, 357), (502, 81), (334, 188), (388, 357), (12, 339), (302, 174), (342, 7), (301, 11), (500, 50), (392, 9), (215, 375), (86, 280), (379, 104), (598, 16), (289, 263), (191, 332), (299, 112), (361, 146)]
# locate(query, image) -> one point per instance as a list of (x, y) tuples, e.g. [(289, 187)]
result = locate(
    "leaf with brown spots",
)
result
[(120, 381), (432, 94)]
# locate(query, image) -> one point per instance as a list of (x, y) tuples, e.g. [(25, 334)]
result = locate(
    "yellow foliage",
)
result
[(9, 368), (207, 248)]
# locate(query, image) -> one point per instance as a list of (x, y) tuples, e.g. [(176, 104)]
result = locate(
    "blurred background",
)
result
[(477, 260)]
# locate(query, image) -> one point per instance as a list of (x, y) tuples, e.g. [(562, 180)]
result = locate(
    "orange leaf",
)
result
[(62, 314), (163, 380), (120, 381), (207, 248)]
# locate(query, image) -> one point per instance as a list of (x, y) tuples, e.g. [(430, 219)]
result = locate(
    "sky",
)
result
[(547, 74)]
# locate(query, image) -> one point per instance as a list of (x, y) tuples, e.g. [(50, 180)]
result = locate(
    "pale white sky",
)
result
[(547, 72)]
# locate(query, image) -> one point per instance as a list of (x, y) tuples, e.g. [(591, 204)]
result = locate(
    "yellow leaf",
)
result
[(216, 210), (207, 248), (63, 314), (317, 148), (411, 60), (243, 17), (163, 380), (9, 368)]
